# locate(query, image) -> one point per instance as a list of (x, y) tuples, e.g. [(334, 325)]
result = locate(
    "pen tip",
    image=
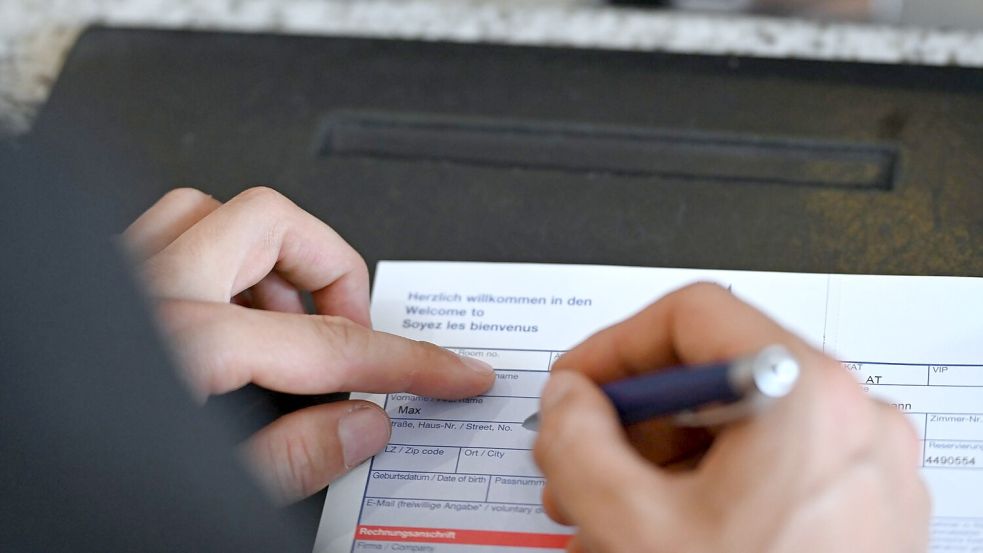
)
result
[(532, 423)]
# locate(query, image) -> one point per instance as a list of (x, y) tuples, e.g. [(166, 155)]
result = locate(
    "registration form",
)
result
[(458, 476)]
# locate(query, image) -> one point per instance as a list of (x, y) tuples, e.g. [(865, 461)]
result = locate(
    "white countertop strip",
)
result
[(36, 34)]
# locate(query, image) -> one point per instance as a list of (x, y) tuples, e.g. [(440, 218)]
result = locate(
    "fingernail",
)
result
[(557, 386), (363, 432), (477, 365)]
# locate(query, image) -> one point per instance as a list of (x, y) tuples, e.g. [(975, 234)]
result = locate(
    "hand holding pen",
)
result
[(822, 469), (703, 395)]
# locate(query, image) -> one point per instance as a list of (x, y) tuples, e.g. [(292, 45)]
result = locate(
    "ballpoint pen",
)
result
[(703, 395)]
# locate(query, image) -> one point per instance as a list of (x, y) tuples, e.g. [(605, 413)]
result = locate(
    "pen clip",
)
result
[(718, 415), (763, 377)]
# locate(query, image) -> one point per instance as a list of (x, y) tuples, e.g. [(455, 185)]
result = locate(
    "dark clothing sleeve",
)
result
[(102, 448)]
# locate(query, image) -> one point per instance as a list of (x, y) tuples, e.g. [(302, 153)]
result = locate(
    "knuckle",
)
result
[(430, 354), (423, 356), (349, 337), (360, 266), (337, 330), (699, 292), (348, 342), (211, 367), (269, 209), (263, 195), (185, 194), (299, 471), (695, 303), (689, 300), (215, 367), (199, 343), (173, 315), (266, 202)]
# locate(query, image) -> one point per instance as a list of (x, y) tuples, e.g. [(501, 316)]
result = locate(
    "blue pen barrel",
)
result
[(669, 392)]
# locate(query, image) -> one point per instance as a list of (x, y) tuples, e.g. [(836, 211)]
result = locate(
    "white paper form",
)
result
[(459, 476)]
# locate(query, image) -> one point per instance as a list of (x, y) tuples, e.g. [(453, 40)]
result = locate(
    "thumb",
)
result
[(595, 479), (301, 453)]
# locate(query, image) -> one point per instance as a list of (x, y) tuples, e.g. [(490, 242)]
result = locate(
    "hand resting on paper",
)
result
[(226, 281)]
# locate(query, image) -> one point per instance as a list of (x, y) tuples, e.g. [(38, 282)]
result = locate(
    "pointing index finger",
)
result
[(226, 346)]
